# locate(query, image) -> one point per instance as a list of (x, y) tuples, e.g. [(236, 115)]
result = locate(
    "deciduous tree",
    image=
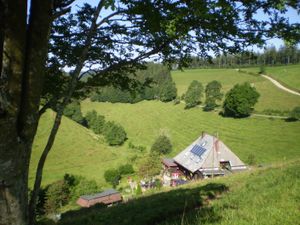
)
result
[(239, 100)]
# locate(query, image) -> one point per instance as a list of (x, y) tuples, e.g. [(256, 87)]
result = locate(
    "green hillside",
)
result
[(289, 75), (271, 97), (258, 197), (76, 150)]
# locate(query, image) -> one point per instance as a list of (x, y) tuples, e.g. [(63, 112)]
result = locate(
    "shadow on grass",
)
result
[(153, 209), (291, 120)]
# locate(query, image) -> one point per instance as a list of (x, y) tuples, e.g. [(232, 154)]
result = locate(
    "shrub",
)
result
[(239, 101), (114, 134), (162, 145), (83, 186), (126, 169), (150, 166), (73, 111), (91, 117), (193, 94), (136, 147), (212, 93), (57, 195), (112, 176), (295, 113), (95, 122)]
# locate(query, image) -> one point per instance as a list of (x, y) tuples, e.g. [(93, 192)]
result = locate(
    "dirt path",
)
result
[(268, 116), (277, 84)]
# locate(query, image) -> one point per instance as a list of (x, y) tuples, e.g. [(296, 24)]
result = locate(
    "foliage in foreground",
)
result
[(240, 100)]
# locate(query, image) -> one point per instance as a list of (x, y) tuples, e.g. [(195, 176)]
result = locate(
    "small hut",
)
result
[(206, 157), (107, 197), (171, 173)]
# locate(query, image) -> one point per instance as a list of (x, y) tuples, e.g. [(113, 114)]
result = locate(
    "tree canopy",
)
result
[(193, 94), (162, 145), (239, 100), (212, 94)]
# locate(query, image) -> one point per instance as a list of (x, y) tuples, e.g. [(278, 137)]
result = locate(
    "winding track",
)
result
[(277, 84)]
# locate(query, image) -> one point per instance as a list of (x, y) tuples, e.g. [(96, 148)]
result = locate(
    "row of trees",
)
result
[(285, 55), (158, 85), (194, 93), (114, 133), (239, 100)]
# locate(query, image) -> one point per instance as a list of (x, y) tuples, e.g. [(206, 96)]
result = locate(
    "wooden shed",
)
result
[(107, 197)]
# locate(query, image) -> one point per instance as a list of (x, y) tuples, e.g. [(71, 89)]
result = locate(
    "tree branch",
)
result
[(69, 93)]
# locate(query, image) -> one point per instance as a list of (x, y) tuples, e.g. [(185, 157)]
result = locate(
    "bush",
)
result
[(57, 195), (83, 186), (150, 166), (213, 94), (193, 94), (91, 117), (114, 134), (162, 145), (136, 147), (95, 122), (112, 176), (126, 169), (295, 113), (73, 111), (239, 101)]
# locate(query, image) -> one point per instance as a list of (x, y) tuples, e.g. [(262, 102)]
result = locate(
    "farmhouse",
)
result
[(205, 157), (107, 197)]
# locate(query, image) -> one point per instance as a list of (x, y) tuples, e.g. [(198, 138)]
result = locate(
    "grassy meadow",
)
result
[(288, 75), (258, 197), (78, 150), (271, 97)]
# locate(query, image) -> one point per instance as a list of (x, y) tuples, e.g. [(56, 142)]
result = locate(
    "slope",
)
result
[(262, 196)]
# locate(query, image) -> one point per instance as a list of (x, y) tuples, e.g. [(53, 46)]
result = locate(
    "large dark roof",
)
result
[(100, 195)]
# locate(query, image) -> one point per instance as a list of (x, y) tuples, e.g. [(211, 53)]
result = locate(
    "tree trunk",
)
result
[(13, 177), (23, 50), (71, 88)]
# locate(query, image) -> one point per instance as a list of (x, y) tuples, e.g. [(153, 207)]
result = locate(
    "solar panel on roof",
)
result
[(198, 150)]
